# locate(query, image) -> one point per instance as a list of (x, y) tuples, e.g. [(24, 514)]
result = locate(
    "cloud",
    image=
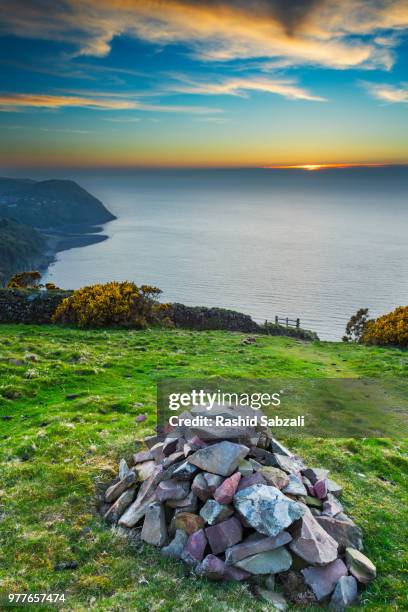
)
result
[(238, 86), (24, 101), (389, 93), (350, 33)]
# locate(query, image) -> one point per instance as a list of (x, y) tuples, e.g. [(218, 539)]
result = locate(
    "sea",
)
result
[(314, 245)]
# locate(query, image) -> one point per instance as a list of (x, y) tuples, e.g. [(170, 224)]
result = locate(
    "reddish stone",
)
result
[(196, 545), (223, 535), (322, 580), (320, 489), (226, 491)]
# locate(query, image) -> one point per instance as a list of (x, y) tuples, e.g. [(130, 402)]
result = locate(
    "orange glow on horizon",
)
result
[(312, 167)]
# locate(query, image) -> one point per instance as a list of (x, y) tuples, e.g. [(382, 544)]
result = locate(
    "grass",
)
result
[(68, 402)]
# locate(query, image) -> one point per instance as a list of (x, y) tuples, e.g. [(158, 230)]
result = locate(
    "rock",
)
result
[(315, 474), (171, 459), (213, 481), (269, 562), (320, 489), (142, 456), (140, 418), (262, 455), (116, 490), (226, 491), (65, 565), (144, 470), (235, 573), (314, 502), (266, 509), (275, 476), (245, 467), (332, 507), (189, 522), (295, 486), (172, 489), (277, 600), (311, 542), (291, 465), (176, 546), (212, 568), (123, 469), (295, 589), (120, 505), (213, 512), (150, 441), (255, 543), (360, 566), (252, 479), (333, 487), (346, 533), (137, 509), (344, 594), (157, 451), (185, 471), (169, 446), (154, 527), (187, 504), (221, 458), (196, 545), (322, 580), (270, 582), (277, 447), (200, 487), (223, 535)]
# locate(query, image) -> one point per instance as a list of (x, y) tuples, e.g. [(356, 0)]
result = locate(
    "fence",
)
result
[(287, 322)]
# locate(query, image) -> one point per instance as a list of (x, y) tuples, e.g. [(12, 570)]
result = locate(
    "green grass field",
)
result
[(55, 449)]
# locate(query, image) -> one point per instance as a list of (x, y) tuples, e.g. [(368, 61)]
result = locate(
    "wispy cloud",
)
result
[(240, 86), (389, 93), (23, 101)]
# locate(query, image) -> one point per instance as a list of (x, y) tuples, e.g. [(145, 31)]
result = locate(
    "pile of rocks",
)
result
[(235, 511)]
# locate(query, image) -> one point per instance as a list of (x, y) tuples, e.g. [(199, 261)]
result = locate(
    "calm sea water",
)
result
[(314, 245)]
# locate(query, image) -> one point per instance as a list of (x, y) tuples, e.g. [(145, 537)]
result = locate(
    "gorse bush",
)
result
[(113, 305), (391, 329), (24, 280)]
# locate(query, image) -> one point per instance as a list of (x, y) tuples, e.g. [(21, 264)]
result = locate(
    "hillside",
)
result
[(21, 248), (51, 203), (68, 401)]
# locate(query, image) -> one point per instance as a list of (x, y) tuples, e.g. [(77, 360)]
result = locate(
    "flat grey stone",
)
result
[(175, 548), (221, 458), (269, 562), (116, 490), (344, 594), (118, 508), (295, 486), (360, 566), (256, 543), (154, 527)]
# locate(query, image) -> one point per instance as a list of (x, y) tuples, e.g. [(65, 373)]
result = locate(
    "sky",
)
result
[(123, 83)]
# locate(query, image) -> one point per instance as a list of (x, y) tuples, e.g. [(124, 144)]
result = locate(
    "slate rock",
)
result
[(157, 451), (171, 459), (221, 458), (189, 522), (144, 470), (245, 467), (140, 418), (116, 490), (142, 456), (200, 487), (256, 543), (313, 502), (154, 527), (213, 481), (175, 548), (323, 580), (172, 489), (346, 533), (212, 567), (252, 479), (320, 489), (269, 562), (315, 474), (295, 486), (311, 542), (213, 512), (185, 471), (344, 594), (123, 469), (333, 487), (169, 446), (332, 507), (226, 491), (279, 448), (360, 566), (118, 508), (187, 504), (291, 465), (196, 545), (275, 476), (267, 509), (223, 535), (145, 496)]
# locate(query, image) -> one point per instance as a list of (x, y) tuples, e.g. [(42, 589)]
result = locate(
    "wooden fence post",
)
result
[(298, 323)]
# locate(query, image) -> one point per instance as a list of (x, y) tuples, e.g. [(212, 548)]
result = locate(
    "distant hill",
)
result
[(21, 248), (51, 203)]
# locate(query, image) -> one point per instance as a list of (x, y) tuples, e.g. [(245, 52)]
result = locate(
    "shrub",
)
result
[(24, 280), (390, 329), (113, 305), (356, 326)]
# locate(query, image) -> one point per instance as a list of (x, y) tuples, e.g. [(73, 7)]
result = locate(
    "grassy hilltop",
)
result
[(68, 402)]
